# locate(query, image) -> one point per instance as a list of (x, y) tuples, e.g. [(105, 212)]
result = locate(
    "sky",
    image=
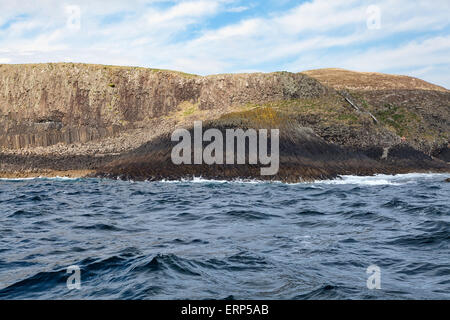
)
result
[(228, 36)]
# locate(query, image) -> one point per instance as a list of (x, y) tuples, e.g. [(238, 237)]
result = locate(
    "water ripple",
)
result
[(225, 240)]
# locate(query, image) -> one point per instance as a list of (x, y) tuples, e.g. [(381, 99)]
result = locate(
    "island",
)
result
[(83, 120)]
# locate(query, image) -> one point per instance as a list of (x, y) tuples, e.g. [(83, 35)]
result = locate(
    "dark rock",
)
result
[(442, 153)]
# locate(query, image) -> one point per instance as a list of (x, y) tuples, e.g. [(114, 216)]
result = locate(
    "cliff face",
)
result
[(116, 121), (306, 148), (409, 107), (44, 104)]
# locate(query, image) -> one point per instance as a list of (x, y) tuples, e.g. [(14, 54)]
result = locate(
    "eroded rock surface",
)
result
[(107, 120)]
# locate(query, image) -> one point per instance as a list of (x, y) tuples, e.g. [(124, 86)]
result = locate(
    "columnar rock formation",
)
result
[(114, 121)]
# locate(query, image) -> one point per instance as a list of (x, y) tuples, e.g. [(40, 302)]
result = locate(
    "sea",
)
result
[(377, 237)]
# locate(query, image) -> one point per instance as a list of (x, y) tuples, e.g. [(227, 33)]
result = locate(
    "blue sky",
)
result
[(223, 36)]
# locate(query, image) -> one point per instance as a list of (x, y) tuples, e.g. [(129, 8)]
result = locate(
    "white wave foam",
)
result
[(384, 179), (203, 180), (375, 180), (17, 179), (38, 178)]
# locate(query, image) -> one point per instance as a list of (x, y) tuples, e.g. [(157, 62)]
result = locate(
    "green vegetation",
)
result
[(186, 109), (350, 118), (398, 118), (278, 113), (190, 109)]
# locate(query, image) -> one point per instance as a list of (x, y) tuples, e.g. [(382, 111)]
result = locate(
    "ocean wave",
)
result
[(204, 180), (375, 180), (58, 178), (215, 239), (384, 179)]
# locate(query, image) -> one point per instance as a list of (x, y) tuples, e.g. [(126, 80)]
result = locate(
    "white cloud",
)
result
[(183, 10), (416, 53), (238, 9), (321, 15), (177, 34)]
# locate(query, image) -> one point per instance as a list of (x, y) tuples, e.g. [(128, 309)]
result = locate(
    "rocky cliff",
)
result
[(113, 121), (45, 104), (411, 108)]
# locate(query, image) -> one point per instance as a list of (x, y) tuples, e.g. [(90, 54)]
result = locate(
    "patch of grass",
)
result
[(398, 118), (264, 116), (349, 118), (185, 109), (278, 113), (190, 110)]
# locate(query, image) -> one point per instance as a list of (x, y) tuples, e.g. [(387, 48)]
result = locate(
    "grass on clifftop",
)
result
[(278, 113), (52, 65)]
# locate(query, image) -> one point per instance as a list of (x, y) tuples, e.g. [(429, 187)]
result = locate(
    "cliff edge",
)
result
[(109, 121)]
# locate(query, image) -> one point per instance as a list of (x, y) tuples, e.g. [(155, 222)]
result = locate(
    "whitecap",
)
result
[(385, 179), (39, 178)]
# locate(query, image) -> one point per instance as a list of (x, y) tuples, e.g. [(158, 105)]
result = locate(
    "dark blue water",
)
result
[(216, 240)]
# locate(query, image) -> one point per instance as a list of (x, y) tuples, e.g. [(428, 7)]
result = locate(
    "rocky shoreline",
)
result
[(80, 120), (304, 156)]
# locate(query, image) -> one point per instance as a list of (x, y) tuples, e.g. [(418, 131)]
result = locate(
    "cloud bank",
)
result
[(218, 36)]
